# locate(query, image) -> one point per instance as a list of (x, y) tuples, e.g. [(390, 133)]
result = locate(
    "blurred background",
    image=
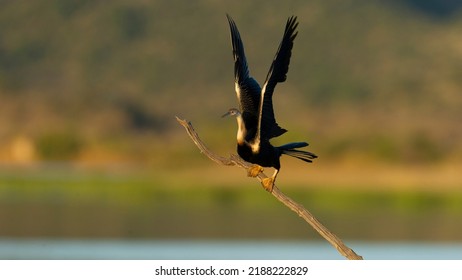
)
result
[(90, 148)]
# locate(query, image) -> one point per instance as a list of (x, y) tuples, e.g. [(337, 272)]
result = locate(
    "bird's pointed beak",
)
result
[(227, 114)]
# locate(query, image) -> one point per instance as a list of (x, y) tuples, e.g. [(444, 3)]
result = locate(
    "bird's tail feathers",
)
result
[(293, 145), (289, 149)]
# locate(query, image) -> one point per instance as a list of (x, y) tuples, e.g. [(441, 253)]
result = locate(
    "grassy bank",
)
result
[(81, 203)]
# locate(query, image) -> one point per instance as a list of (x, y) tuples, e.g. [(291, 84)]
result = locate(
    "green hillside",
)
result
[(99, 80)]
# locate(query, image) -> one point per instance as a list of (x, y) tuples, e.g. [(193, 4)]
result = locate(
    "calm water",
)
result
[(123, 249)]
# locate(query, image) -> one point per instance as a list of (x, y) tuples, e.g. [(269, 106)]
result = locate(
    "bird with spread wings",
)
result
[(255, 116)]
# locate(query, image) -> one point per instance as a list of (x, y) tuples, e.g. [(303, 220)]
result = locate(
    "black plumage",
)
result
[(255, 117)]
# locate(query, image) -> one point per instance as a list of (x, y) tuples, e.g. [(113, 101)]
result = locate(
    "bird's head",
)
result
[(232, 112)]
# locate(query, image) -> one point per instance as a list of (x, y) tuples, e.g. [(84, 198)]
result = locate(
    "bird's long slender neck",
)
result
[(241, 130)]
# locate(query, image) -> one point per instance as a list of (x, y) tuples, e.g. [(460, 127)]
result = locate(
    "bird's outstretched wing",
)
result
[(268, 127), (247, 89)]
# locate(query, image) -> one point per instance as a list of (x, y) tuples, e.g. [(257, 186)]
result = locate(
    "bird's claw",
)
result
[(268, 184), (254, 170)]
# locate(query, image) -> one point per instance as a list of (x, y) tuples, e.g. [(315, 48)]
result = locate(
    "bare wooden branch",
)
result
[(287, 201)]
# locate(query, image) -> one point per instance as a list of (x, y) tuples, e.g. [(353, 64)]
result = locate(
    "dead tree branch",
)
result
[(287, 201)]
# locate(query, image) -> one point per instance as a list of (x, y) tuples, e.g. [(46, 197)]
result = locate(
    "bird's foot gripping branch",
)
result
[(268, 184), (287, 201), (254, 170)]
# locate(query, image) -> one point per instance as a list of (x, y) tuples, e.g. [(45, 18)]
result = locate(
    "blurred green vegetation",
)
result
[(376, 79), (58, 146), (98, 83), (73, 204)]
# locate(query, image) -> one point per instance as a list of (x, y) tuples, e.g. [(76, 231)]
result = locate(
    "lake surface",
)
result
[(219, 250)]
